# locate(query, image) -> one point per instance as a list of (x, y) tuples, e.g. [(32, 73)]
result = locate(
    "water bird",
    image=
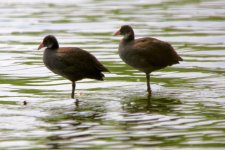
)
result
[(145, 54), (72, 63)]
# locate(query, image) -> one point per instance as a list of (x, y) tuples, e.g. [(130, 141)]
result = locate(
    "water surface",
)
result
[(188, 102)]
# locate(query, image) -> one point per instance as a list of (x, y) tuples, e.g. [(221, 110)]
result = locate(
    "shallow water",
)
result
[(187, 106)]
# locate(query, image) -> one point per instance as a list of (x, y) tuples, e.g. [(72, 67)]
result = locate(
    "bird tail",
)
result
[(99, 76), (179, 58), (102, 68)]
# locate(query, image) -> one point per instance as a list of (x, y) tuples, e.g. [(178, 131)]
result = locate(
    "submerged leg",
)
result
[(148, 83), (73, 89), (149, 103)]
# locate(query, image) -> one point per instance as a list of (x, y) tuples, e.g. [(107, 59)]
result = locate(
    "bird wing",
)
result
[(79, 58), (156, 52)]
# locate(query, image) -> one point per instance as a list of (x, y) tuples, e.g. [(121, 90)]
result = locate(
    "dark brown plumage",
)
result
[(72, 63), (145, 54)]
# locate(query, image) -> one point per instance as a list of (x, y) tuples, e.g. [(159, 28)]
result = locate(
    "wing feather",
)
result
[(156, 52)]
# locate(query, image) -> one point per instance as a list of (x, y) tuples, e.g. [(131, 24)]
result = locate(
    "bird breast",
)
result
[(51, 62)]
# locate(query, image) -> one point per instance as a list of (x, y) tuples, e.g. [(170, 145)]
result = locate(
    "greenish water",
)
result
[(187, 109)]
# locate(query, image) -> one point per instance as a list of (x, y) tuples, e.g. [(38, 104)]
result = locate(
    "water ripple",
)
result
[(186, 109)]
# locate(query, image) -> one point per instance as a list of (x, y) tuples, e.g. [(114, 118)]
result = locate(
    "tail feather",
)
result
[(98, 76), (180, 58), (102, 68)]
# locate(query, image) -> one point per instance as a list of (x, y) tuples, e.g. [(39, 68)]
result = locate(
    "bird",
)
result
[(145, 54), (72, 63)]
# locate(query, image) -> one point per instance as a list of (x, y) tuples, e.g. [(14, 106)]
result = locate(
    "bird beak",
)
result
[(117, 33), (41, 46)]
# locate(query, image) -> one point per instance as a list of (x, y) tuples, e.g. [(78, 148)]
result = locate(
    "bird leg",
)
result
[(149, 102), (148, 84), (73, 89)]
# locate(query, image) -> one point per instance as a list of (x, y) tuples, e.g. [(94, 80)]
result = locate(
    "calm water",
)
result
[(188, 103)]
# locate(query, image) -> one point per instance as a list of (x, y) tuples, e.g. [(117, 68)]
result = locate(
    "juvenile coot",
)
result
[(72, 63), (145, 54)]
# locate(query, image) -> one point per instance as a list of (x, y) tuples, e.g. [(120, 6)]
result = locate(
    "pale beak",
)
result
[(117, 33), (41, 46)]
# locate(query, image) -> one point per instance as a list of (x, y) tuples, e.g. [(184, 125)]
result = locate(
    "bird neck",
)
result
[(54, 45), (128, 37)]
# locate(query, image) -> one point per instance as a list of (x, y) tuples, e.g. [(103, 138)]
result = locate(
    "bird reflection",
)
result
[(150, 103), (76, 102)]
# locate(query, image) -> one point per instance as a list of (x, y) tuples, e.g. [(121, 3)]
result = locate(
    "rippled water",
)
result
[(187, 110)]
